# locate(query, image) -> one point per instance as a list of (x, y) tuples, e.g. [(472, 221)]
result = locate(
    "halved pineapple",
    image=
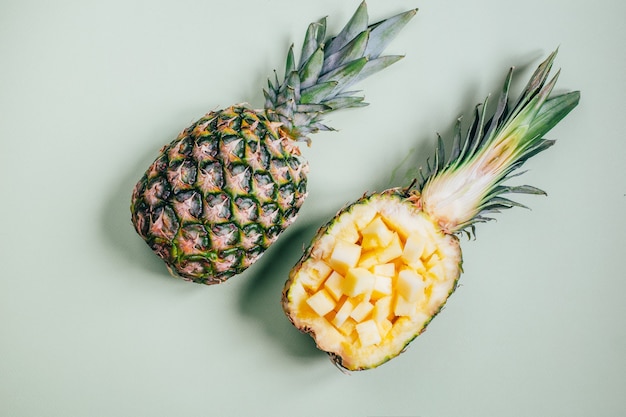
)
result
[(377, 273), (373, 299)]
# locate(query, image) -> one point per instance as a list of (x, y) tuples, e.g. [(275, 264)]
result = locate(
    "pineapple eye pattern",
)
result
[(202, 183)]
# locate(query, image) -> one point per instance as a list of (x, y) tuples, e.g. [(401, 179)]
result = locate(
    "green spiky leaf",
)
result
[(355, 49), (357, 24), (317, 92), (312, 41), (384, 32), (311, 70), (327, 68), (470, 184)]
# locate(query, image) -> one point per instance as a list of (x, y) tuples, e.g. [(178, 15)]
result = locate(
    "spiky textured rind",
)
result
[(463, 188), (219, 195), (319, 82)]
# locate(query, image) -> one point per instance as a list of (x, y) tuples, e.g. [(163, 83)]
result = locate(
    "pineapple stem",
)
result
[(327, 67), (460, 190)]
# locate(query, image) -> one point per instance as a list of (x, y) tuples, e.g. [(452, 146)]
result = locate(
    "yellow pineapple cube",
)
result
[(391, 251), (376, 234), (385, 270), (384, 327), (361, 311), (382, 309), (369, 259), (368, 333), (344, 256), (358, 281), (348, 327), (410, 285), (382, 286), (413, 250), (343, 313), (333, 285), (403, 307), (318, 271), (321, 302)]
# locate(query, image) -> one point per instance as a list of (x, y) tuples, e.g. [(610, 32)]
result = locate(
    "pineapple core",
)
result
[(379, 274)]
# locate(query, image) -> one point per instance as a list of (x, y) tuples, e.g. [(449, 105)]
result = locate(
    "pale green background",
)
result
[(91, 324)]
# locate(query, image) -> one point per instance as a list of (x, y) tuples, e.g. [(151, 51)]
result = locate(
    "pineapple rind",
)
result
[(223, 191), (396, 332), (219, 195)]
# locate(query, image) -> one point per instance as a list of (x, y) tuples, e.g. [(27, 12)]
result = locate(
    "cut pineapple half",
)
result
[(393, 256), (372, 281)]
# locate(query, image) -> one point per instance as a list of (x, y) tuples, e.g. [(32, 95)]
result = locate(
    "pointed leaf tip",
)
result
[(357, 24), (385, 31)]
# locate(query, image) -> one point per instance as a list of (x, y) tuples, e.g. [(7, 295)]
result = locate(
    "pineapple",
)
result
[(375, 275), (222, 192)]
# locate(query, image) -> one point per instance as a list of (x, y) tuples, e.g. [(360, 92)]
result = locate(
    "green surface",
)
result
[(91, 324)]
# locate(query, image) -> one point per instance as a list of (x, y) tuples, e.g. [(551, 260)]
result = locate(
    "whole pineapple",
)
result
[(377, 273), (222, 192)]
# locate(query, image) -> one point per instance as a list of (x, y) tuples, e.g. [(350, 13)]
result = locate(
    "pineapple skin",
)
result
[(219, 195), (222, 192), (347, 357)]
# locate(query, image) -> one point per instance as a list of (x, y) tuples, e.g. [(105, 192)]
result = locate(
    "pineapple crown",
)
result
[(327, 68), (461, 189)]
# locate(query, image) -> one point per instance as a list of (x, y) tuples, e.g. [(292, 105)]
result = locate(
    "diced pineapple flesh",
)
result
[(333, 285), (343, 313), (361, 311), (404, 307), (368, 333), (376, 234), (385, 270), (390, 252), (358, 281), (410, 285), (345, 255), (382, 309), (378, 274), (382, 286), (321, 302), (317, 271)]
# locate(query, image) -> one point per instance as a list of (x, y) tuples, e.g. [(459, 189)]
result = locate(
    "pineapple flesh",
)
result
[(364, 302), (222, 192), (376, 274)]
